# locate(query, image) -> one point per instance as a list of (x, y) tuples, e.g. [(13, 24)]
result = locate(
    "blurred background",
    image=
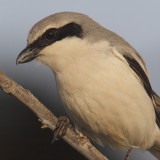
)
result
[(20, 134)]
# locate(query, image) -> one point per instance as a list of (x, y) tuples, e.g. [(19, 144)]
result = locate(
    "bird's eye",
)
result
[(50, 34)]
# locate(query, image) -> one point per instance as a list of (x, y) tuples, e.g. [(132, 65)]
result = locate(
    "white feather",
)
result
[(101, 93)]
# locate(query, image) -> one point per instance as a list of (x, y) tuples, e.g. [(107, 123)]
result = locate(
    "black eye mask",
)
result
[(53, 34)]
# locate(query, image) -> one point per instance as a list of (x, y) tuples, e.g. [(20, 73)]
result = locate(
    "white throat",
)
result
[(70, 52)]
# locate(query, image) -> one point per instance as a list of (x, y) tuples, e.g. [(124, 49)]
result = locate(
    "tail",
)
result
[(155, 149)]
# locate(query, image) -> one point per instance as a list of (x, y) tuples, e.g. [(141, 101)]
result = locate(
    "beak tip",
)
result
[(17, 61)]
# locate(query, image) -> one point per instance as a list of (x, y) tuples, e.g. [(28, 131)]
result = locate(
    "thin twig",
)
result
[(47, 118)]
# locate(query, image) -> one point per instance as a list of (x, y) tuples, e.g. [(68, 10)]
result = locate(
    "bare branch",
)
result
[(47, 118)]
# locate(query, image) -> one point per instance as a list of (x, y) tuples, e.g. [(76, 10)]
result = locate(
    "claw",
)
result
[(61, 128), (128, 154), (44, 126)]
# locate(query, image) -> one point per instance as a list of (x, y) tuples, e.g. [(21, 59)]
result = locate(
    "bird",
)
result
[(102, 80)]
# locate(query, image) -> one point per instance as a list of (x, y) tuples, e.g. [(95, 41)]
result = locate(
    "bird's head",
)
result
[(56, 38)]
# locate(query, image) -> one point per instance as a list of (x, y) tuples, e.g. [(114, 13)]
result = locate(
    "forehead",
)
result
[(53, 21), (39, 28)]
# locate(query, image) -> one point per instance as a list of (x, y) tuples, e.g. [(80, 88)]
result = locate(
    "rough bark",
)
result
[(48, 119)]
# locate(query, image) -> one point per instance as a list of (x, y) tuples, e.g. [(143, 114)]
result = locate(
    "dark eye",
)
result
[(50, 34)]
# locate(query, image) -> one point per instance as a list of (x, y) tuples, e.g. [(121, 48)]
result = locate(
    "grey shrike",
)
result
[(102, 80)]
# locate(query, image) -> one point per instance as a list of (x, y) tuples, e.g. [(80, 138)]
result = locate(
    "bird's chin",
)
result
[(42, 59)]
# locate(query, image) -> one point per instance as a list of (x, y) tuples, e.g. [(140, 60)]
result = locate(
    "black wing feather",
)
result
[(145, 81)]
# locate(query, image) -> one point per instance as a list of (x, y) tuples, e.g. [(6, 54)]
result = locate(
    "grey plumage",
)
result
[(91, 30)]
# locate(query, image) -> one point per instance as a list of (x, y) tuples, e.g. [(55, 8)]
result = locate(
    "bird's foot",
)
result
[(128, 154), (61, 128), (82, 139)]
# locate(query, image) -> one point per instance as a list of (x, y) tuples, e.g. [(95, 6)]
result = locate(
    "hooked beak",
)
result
[(27, 55)]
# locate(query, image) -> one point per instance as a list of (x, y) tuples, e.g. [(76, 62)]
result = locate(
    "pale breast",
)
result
[(107, 102)]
